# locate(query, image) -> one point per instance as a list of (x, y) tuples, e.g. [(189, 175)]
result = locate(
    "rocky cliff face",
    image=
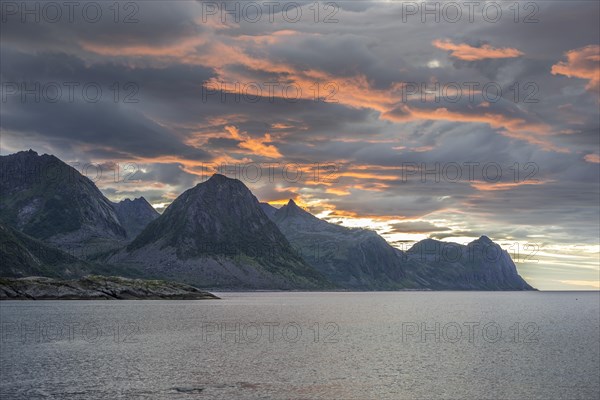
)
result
[(49, 200), (134, 215), (217, 235), (97, 288)]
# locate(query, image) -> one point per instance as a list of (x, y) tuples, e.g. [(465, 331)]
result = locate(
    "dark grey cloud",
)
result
[(417, 227)]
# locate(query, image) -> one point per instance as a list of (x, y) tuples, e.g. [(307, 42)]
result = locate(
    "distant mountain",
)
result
[(351, 258), (480, 265), (135, 215), (49, 200), (268, 209), (361, 259), (217, 235), (22, 255)]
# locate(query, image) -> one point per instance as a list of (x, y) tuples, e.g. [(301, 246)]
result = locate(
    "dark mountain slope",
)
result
[(351, 258), (49, 200), (480, 265), (361, 259), (217, 235)]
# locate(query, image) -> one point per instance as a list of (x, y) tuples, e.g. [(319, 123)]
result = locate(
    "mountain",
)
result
[(362, 260), (268, 209), (357, 259), (217, 235), (480, 265), (134, 215), (47, 199), (55, 222), (22, 256)]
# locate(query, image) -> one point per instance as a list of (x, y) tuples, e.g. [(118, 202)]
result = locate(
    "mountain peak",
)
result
[(48, 199), (135, 215), (220, 229), (22, 154), (484, 239), (29, 152), (212, 210), (137, 200), (426, 245), (220, 179), (292, 210)]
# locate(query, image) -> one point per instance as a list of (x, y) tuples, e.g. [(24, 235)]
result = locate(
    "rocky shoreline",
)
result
[(97, 288)]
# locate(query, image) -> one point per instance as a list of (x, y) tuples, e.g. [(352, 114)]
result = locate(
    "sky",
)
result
[(447, 120)]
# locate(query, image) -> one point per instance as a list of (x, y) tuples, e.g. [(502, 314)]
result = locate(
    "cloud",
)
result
[(417, 227), (512, 123), (488, 186), (257, 146), (466, 52), (593, 284), (179, 49), (338, 191), (592, 158), (583, 63)]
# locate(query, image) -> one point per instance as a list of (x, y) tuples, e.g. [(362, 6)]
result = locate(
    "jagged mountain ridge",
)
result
[(363, 260), (351, 258), (217, 235), (134, 215)]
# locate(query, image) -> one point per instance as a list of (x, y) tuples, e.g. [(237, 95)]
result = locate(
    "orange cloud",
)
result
[(594, 284), (255, 145), (490, 186), (592, 158), (179, 49), (353, 91), (583, 63), (366, 175), (515, 127), (337, 192), (372, 187), (281, 125), (374, 167), (467, 52)]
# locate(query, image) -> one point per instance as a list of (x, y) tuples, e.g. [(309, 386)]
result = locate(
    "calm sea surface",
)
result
[(403, 345)]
